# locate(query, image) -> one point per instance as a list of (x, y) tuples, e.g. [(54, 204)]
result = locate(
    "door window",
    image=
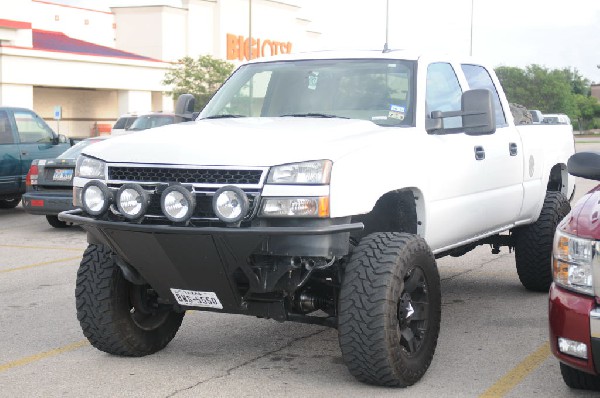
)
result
[(478, 77), (6, 134), (32, 129), (443, 92)]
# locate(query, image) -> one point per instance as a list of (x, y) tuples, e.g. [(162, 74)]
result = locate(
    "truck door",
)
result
[(36, 139), (475, 189), (10, 160)]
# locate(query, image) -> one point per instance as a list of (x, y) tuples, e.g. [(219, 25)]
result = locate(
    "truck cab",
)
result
[(24, 136)]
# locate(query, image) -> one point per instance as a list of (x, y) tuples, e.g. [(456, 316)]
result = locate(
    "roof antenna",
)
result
[(387, 23)]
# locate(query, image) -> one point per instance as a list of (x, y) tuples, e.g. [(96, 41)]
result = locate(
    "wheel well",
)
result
[(396, 211), (557, 181)]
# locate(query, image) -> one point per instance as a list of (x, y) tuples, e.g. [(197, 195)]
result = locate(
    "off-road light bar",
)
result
[(95, 198), (177, 203), (132, 201), (230, 204)]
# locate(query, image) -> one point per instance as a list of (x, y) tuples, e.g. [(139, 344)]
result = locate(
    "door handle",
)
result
[(513, 149), (479, 153), (23, 153)]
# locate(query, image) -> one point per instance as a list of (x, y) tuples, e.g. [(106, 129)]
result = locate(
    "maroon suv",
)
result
[(574, 310)]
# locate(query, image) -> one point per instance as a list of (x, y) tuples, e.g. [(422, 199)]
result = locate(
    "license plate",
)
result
[(62, 175), (193, 298)]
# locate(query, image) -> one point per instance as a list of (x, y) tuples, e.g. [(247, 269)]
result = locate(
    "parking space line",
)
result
[(43, 355), (62, 260), (516, 375), (70, 249)]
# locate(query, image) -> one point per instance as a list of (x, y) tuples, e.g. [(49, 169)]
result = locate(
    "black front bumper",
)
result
[(207, 259)]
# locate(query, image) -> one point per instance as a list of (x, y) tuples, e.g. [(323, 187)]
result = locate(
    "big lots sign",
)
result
[(238, 47)]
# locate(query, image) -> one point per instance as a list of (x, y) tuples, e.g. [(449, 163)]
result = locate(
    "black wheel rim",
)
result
[(144, 309), (413, 311)]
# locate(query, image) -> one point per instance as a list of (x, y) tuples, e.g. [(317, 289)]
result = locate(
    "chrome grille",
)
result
[(185, 176)]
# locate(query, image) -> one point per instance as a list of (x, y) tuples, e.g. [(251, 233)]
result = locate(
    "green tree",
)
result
[(537, 87), (200, 77)]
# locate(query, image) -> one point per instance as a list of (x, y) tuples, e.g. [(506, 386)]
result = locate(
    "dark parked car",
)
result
[(50, 184), (24, 136)]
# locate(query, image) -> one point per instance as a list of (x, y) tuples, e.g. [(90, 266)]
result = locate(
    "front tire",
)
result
[(575, 378), (533, 244), (390, 309), (117, 316)]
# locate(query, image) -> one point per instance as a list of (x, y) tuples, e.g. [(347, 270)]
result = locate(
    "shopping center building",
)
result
[(95, 65)]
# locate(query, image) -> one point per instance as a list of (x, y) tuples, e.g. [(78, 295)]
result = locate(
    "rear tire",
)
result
[(575, 378), (533, 243), (117, 316), (56, 223), (9, 203), (389, 309)]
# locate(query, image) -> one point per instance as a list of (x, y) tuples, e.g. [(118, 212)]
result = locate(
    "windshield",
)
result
[(380, 91), (75, 150), (124, 122), (149, 121)]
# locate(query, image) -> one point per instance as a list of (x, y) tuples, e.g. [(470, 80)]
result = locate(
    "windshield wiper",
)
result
[(227, 116), (324, 115)]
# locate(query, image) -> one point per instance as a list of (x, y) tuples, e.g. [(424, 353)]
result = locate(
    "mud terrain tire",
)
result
[(117, 316), (389, 309)]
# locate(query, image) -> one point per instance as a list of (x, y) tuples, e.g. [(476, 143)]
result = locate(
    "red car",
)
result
[(574, 311)]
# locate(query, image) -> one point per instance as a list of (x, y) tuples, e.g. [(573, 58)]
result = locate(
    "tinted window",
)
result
[(145, 122), (32, 129), (124, 122), (443, 92), (6, 134), (478, 77)]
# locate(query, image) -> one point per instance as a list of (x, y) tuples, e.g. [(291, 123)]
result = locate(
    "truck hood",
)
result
[(241, 141)]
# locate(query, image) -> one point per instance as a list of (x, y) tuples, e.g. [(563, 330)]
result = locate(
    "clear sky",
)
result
[(553, 33)]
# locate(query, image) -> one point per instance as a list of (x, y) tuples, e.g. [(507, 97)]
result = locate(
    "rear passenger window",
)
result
[(6, 134), (443, 92), (478, 77), (32, 129)]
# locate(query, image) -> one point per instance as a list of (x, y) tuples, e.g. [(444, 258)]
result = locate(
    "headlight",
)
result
[(89, 167), (572, 262), (314, 172), (295, 207)]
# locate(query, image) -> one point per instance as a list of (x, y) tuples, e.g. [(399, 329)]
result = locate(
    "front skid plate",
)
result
[(198, 259)]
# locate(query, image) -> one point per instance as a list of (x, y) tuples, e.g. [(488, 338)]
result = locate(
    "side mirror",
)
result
[(585, 165), (184, 108), (62, 139), (477, 112)]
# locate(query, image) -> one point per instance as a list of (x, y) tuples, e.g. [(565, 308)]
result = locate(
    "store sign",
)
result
[(238, 47)]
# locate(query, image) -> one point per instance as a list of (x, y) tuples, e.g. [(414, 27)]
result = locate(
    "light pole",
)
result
[(249, 30), (471, 41)]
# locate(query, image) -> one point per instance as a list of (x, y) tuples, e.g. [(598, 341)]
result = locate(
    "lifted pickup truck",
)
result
[(24, 136), (317, 188)]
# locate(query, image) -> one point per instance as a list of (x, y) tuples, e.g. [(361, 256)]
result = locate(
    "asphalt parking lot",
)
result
[(493, 341)]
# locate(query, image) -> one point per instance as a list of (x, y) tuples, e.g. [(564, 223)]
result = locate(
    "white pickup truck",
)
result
[(317, 188)]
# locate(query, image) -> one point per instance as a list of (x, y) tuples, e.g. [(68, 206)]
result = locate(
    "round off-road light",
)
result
[(177, 203), (132, 201), (95, 198), (230, 204)]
